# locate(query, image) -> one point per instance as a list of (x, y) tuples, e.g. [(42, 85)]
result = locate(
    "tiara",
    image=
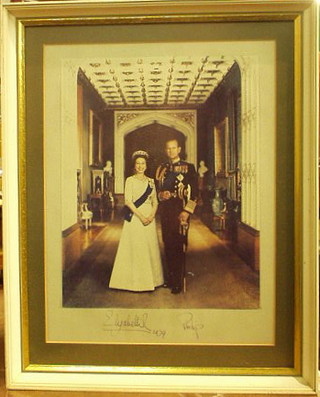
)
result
[(140, 153)]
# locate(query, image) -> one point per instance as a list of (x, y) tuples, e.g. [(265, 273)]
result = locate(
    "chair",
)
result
[(86, 215)]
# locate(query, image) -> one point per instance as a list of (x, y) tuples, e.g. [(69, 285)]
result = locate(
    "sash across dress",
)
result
[(137, 266)]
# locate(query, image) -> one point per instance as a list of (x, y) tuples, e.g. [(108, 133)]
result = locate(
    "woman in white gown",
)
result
[(137, 265)]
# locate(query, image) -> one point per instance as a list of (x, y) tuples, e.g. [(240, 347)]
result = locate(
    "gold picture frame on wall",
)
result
[(160, 348), (95, 129), (221, 134)]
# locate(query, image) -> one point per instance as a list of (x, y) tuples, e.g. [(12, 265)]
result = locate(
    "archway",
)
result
[(184, 122)]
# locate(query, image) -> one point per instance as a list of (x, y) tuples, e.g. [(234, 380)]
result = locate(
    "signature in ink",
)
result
[(116, 323), (190, 325)]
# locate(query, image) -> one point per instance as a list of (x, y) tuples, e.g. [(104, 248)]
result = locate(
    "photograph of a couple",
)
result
[(162, 183)]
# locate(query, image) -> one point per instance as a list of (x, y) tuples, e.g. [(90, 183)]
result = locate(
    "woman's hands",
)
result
[(146, 220)]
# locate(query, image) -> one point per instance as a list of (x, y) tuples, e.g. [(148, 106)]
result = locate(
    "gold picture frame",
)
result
[(221, 134), (95, 128), (36, 359)]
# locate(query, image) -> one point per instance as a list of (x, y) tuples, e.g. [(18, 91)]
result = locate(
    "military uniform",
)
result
[(180, 179)]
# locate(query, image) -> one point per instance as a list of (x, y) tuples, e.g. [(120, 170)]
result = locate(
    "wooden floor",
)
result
[(215, 276)]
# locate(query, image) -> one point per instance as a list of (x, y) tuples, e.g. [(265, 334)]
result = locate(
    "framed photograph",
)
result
[(221, 148), (160, 159), (95, 137)]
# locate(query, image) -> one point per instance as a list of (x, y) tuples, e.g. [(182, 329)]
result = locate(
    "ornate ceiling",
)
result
[(162, 81)]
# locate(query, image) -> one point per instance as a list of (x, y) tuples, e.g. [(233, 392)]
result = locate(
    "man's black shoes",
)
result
[(176, 290)]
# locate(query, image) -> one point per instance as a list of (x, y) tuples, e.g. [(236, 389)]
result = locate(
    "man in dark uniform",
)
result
[(177, 193)]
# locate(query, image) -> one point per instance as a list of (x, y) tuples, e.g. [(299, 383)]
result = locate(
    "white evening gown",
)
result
[(137, 265)]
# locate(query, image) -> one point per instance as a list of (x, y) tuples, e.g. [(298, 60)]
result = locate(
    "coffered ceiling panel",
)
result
[(162, 81)]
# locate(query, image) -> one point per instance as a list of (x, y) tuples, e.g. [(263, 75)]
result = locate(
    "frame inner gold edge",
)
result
[(181, 18), (136, 19), (163, 370)]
